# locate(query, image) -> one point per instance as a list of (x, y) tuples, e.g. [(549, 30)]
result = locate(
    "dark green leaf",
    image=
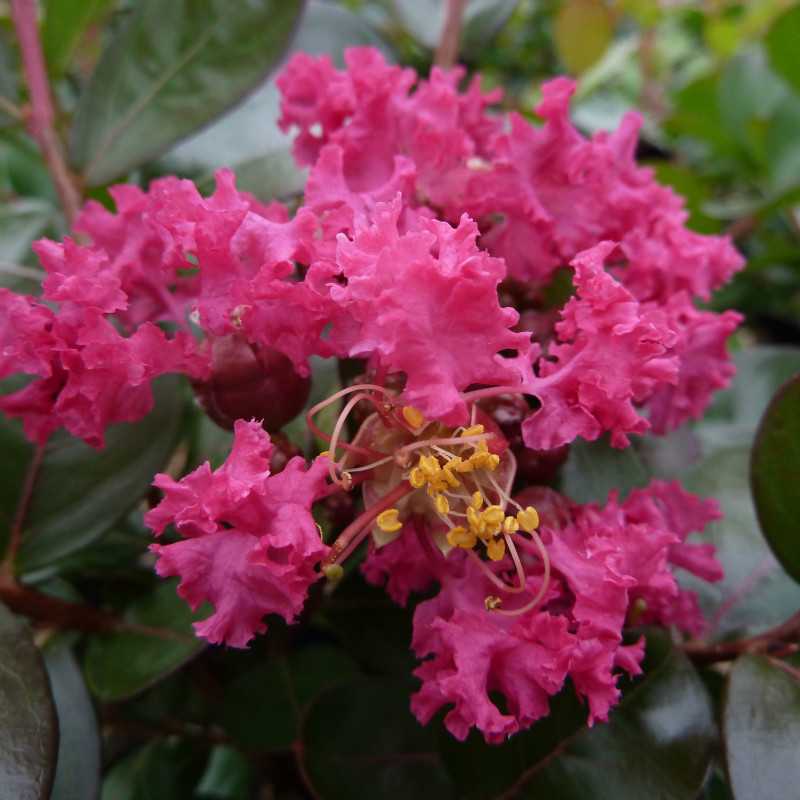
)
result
[(248, 139), (65, 22), (81, 492), (228, 776), (78, 770), (172, 68), (762, 729), (782, 42), (119, 665), (161, 770), (263, 707), (360, 740), (28, 725), (657, 744), (775, 475)]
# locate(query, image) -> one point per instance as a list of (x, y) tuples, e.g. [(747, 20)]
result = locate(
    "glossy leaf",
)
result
[(119, 665), (781, 43), (164, 768), (28, 725), (228, 776), (78, 767), (172, 68), (247, 138), (762, 728), (774, 473), (263, 707), (81, 492), (360, 740), (657, 743)]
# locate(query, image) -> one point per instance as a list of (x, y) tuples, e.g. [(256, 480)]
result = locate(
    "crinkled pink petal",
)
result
[(26, 336), (425, 303), (611, 353), (252, 546)]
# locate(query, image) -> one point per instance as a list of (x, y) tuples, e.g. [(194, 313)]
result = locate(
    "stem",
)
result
[(727, 651), (74, 616), (363, 521), (18, 523), (447, 50), (41, 115)]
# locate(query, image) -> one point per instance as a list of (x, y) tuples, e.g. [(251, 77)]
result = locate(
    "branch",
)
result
[(41, 114), (73, 616), (447, 50), (18, 523), (775, 638)]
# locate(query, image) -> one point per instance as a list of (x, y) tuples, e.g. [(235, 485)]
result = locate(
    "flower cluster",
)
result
[(423, 208)]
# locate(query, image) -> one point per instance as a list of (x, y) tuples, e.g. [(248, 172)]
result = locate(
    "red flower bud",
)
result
[(251, 382)]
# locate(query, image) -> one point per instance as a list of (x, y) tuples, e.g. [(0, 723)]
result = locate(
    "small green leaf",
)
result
[(228, 776), (657, 743), (782, 42), (28, 725), (119, 665), (775, 475), (583, 30), (172, 68), (761, 725), (78, 770), (81, 492), (263, 707), (360, 740)]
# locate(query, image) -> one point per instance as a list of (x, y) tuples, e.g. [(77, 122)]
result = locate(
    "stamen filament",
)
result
[(542, 589), (498, 582)]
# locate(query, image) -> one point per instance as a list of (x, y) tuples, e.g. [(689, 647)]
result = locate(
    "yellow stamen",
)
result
[(491, 602), (413, 416), (442, 505), (388, 520), (510, 525), (528, 519), (416, 478), (474, 430), (496, 549), (477, 500), (461, 537), (494, 515)]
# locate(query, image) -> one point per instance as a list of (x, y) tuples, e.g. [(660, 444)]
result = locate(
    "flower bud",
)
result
[(251, 382)]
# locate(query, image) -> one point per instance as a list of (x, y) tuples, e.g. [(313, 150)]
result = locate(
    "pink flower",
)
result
[(425, 303), (611, 352), (250, 544)]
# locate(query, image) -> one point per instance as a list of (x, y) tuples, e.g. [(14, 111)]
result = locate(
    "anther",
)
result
[(492, 602), (413, 416), (442, 504), (388, 520), (528, 519), (496, 549), (333, 572)]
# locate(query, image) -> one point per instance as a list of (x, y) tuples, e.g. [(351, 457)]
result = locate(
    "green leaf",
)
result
[(781, 43), (65, 22), (755, 593), (28, 725), (762, 728), (774, 475), (119, 665), (583, 30), (161, 770), (22, 221), (78, 770), (263, 707), (247, 139), (172, 68), (657, 743), (228, 776), (360, 740), (81, 492)]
